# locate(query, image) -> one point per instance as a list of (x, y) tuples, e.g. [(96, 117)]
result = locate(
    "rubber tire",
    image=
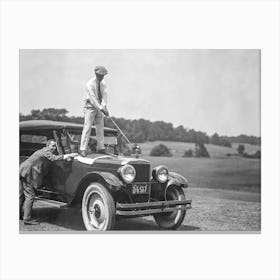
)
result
[(104, 196), (170, 220)]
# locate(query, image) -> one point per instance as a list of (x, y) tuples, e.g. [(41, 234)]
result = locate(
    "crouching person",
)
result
[(31, 174)]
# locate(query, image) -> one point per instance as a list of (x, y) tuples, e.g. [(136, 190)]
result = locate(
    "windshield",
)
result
[(71, 142)]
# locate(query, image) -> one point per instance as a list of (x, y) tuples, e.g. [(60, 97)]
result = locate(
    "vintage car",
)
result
[(102, 186)]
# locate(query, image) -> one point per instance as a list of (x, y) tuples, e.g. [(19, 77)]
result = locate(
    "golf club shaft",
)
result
[(119, 130)]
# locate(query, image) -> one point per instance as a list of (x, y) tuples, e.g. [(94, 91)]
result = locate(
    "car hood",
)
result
[(109, 159)]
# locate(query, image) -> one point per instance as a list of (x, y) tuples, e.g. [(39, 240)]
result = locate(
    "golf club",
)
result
[(118, 128)]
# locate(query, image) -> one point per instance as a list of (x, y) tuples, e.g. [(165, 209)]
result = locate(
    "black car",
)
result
[(104, 186)]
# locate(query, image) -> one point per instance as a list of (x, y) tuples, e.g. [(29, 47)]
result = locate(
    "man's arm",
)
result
[(104, 96), (104, 110), (50, 156)]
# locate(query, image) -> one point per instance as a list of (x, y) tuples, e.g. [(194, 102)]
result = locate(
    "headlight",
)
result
[(160, 173), (127, 173)]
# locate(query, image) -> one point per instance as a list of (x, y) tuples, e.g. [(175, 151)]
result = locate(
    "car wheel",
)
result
[(98, 208), (172, 220)]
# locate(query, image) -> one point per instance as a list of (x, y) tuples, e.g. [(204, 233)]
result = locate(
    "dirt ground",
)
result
[(212, 210)]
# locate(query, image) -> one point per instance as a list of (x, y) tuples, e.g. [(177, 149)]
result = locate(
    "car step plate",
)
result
[(52, 203)]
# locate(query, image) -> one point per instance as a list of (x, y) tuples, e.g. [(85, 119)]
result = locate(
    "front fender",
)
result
[(177, 180), (114, 183)]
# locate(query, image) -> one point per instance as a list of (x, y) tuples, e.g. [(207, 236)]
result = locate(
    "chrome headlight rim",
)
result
[(127, 179), (157, 176)]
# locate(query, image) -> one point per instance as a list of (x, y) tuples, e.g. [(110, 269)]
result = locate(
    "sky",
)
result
[(207, 90)]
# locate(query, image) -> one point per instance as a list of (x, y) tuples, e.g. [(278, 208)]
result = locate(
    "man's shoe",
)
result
[(83, 153), (31, 222), (101, 151)]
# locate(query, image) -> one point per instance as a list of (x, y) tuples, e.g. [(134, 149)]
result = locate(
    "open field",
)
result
[(231, 173), (178, 148), (219, 171)]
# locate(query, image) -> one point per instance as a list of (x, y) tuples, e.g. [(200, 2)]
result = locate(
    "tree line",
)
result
[(142, 130)]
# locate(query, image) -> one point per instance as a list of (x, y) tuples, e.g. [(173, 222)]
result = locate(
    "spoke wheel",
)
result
[(172, 220), (98, 208)]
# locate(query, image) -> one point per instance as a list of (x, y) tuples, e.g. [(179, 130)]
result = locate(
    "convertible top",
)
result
[(47, 124)]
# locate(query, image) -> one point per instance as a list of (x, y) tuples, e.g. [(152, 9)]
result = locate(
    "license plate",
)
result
[(140, 189)]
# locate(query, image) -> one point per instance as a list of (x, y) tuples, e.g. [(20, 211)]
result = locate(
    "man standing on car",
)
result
[(95, 108), (31, 173)]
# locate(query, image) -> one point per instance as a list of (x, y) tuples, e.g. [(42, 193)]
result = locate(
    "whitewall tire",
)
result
[(98, 208)]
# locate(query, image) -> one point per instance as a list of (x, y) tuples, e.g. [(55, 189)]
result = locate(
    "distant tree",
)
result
[(79, 120), (24, 117), (200, 150), (142, 130), (253, 140), (192, 136), (215, 139), (153, 133), (188, 153), (220, 140), (241, 149), (50, 114), (202, 137), (180, 133), (225, 142), (160, 151)]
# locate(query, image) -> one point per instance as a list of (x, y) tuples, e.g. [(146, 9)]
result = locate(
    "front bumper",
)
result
[(148, 208)]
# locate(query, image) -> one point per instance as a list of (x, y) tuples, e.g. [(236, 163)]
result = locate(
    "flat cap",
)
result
[(101, 70)]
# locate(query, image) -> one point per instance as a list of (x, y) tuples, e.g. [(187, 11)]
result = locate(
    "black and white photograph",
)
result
[(140, 140)]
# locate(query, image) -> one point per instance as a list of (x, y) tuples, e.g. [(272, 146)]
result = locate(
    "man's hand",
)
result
[(73, 154), (69, 156), (104, 110)]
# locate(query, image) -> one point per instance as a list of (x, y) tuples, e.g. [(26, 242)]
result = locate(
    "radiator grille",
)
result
[(142, 172)]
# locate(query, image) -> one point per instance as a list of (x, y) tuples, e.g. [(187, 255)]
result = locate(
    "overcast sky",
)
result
[(208, 90)]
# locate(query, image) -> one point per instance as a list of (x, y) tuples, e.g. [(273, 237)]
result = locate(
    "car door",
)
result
[(58, 171)]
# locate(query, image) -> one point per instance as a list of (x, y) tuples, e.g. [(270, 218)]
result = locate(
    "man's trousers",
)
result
[(26, 197), (93, 116)]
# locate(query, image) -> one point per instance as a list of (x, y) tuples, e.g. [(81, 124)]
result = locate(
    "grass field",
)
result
[(212, 210), (178, 148), (218, 171)]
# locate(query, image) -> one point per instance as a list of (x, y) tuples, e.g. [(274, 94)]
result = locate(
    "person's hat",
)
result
[(101, 70)]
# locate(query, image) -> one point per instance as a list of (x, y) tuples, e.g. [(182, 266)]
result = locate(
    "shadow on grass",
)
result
[(67, 218), (139, 224), (71, 219)]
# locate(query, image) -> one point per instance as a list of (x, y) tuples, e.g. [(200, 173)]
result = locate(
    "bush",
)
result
[(241, 149), (200, 150), (257, 154), (160, 151), (188, 153)]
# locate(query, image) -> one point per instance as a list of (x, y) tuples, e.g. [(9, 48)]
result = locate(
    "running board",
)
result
[(53, 203)]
